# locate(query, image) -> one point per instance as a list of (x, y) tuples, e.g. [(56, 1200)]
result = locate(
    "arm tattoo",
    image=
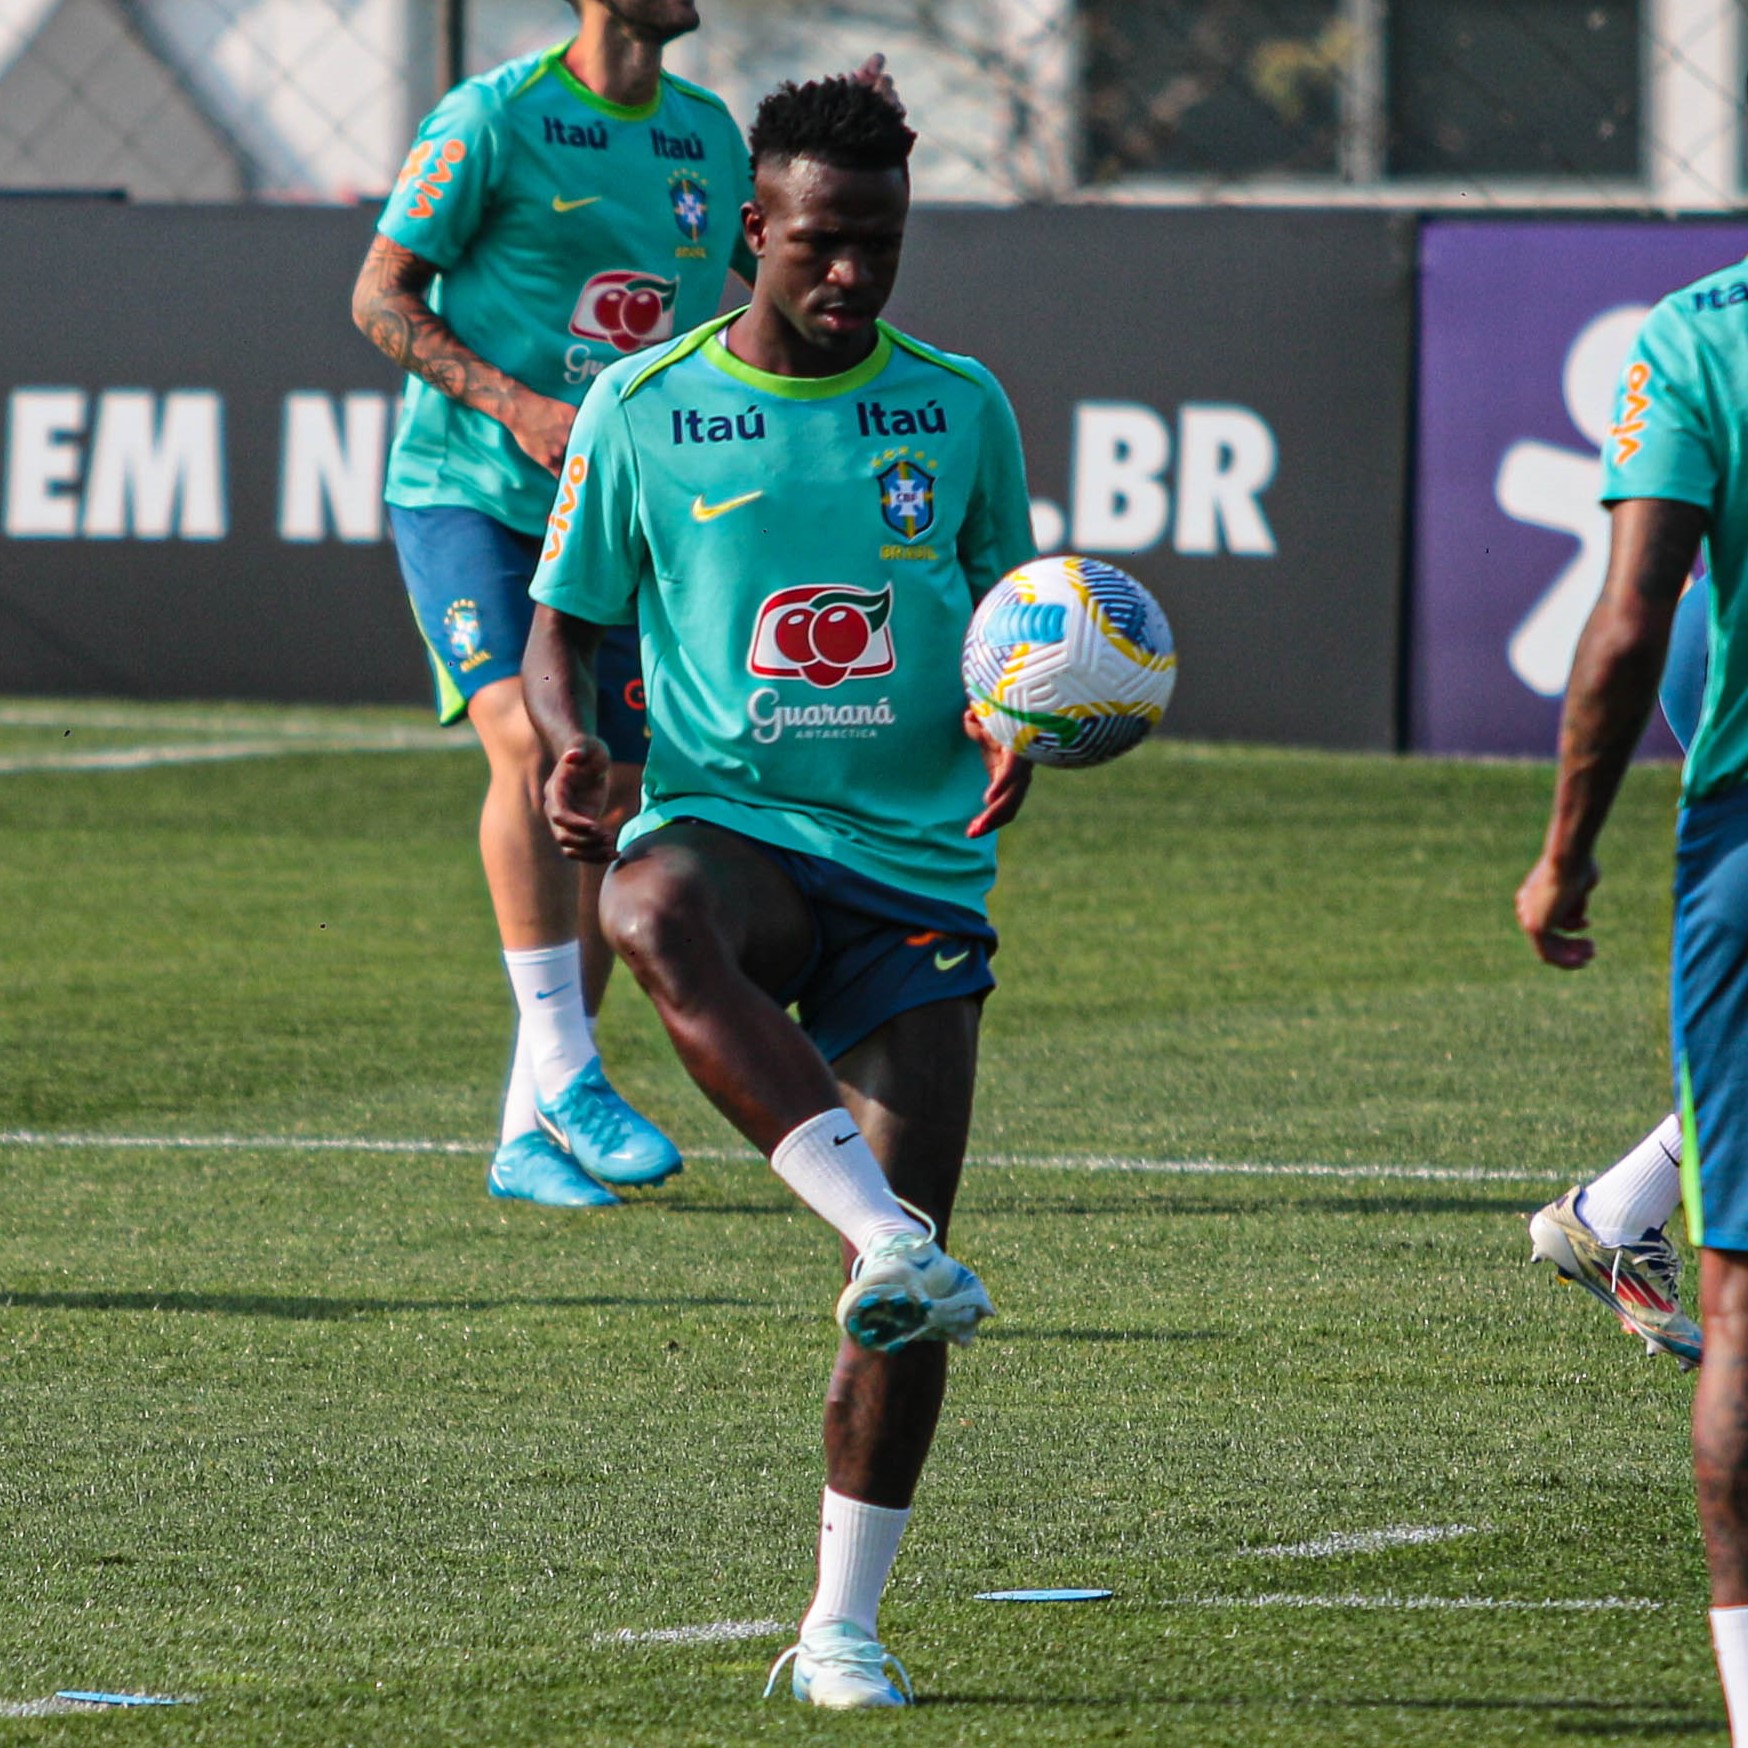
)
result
[(389, 306)]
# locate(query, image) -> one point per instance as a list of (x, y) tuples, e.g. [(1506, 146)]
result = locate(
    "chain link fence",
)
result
[(1471, 103)]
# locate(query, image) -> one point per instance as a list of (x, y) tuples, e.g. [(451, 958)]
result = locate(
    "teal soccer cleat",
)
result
[(840, 1668), (528, 1168), (604, 1135)]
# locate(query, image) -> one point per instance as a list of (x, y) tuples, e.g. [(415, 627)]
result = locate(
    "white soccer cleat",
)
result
[(839, 1667), (905, 1288), (1639, 1282)]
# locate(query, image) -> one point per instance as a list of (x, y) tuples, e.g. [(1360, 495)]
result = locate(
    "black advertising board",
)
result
[(193, 438), (1218, 402), (192, 462)]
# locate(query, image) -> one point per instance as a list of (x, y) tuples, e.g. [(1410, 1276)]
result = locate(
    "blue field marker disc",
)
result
[(1044, 1596), (80, 1696)]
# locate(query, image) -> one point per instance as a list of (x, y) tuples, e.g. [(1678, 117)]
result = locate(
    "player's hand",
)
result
[(576, 798), (542, 429), (1010, 777), (874, 75), (1553, 909)]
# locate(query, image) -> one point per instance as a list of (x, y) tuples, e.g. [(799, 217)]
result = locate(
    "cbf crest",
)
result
[(691, 206), (907, 497), (465, 630)]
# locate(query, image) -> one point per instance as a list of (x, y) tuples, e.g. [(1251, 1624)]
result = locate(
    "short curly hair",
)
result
[(839, 121)]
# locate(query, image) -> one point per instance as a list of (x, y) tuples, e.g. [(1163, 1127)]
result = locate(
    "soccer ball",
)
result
[(1069, 661)]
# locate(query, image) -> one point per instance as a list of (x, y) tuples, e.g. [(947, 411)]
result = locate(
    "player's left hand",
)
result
[(1553, 909), (1010, 777), (873, 74)]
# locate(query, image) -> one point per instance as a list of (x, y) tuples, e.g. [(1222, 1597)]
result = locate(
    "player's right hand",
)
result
[(542, 429), (576, 798), (1553, 909)]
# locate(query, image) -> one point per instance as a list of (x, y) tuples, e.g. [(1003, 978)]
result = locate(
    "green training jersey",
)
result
[(1681, 432), (567, 232), (801, 556)]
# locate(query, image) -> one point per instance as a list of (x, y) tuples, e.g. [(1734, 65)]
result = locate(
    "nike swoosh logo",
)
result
[(945, 963), (546, 994), (559, 204), (703, 512), (839, 1140)]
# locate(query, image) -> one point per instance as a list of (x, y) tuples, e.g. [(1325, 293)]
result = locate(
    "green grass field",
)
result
[(320, 1435)]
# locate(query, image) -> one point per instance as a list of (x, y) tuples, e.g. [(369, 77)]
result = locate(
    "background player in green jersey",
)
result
[(801, 507), (1676, 475), (553, 215)]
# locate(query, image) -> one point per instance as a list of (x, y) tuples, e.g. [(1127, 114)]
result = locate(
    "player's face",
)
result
[(828, 242), (656, 20)]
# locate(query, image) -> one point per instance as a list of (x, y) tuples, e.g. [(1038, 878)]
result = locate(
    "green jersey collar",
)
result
[(799, 388), (553, 62)]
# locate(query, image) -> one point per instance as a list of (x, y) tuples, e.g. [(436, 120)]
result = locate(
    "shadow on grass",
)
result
[(1572, 1717), (307, 1310), (1440, 1204)]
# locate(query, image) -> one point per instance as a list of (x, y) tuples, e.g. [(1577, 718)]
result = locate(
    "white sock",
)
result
[(829, 1165), (857, 1544), (1638, 1194), (519, 1116), (555, 1031), (1730, 1642)]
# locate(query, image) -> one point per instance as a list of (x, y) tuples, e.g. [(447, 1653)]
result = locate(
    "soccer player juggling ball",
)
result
[(1675, 472), (800, 507)]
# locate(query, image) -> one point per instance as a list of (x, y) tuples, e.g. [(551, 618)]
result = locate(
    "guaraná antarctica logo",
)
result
[(627, 309), (823, 634)]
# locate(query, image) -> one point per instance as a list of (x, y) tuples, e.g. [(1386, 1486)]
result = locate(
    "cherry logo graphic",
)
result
[(629, 310), (823, 635)]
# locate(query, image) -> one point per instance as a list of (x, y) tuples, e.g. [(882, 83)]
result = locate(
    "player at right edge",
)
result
[(1675, 474), (801, 506)]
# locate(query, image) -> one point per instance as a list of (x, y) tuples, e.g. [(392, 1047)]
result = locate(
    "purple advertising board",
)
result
[(1523, 328)]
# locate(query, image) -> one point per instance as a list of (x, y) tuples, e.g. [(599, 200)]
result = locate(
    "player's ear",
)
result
[(752, 226)]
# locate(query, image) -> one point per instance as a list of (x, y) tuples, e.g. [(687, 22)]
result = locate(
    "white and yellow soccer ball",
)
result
[(1069, 661)]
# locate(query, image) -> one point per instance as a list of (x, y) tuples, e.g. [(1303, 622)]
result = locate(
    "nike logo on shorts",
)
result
[(946, 961), (703, 512)]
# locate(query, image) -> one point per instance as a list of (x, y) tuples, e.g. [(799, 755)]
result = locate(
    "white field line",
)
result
[(262, 724), (716, 1633), (1389, 1600), (217, 752), (1031, 1161), (1365, 1541)]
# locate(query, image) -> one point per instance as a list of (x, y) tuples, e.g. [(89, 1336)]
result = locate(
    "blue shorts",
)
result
[(1684, 668), (1708, 1016), (467, 577), (877, 952)]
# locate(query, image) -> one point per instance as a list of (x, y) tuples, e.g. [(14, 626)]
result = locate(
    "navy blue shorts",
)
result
[(877, 952), (1708, 1016), (467, 577)]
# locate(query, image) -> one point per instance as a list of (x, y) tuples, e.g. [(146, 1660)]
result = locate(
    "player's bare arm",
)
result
[(1010, 777), (390, 308), (558, 687), (1608, 700)]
